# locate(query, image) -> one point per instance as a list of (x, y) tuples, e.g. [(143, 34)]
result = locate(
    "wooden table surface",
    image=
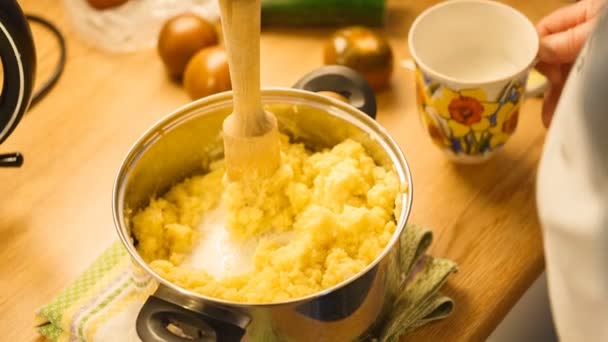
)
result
[(55, 211)]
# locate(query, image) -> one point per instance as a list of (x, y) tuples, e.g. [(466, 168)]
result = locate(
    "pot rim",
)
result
[(390, 145)]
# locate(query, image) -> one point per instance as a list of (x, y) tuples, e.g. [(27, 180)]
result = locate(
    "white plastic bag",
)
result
[(134, 25)]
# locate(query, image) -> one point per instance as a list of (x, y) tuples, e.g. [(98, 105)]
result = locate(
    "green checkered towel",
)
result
[(103, 303)]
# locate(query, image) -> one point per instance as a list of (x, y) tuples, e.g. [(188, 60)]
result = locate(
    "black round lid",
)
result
[(18, 63)]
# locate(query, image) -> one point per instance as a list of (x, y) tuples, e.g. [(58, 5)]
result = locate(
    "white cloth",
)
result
[(573, 198)]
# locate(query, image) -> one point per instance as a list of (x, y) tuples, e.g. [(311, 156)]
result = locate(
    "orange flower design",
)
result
[(466, 110), (511, 123), (421, 96), (435, 134)]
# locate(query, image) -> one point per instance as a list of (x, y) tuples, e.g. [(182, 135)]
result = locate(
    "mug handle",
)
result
[(18, 59), (157, 315), (344, 81)]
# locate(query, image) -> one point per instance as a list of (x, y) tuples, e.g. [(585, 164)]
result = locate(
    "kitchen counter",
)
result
[(55, 211)]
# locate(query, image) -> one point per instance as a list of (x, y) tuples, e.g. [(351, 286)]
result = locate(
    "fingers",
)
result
[(564, 47), (564, 32), (552, 72), (549, 104), (562, 36), (557, 75), (563, 19)]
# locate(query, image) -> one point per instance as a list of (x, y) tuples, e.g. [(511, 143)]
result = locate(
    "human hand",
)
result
[(562, 36)]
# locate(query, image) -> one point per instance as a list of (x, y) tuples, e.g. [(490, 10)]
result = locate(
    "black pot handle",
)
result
[(14, 159), (344, 81), (18, 63), (158, 319)]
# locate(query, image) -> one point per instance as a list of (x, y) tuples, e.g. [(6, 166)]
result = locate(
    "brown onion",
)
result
[(364, 51), (207, 73), (180, 38), (105, 4)]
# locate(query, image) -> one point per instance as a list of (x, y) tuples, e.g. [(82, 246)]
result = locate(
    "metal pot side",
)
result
[(187, 140)]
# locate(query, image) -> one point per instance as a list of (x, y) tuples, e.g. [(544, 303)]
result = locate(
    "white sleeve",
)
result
[(572, 197)]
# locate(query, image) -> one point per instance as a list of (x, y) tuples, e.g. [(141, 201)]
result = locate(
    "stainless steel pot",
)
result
[(189, 138)]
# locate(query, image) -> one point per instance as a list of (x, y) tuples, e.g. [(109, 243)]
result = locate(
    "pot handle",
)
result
[(344, 81), (162, 321), (18, 60)]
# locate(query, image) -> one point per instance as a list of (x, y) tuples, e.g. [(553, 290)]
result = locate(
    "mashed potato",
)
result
[(337, 207)]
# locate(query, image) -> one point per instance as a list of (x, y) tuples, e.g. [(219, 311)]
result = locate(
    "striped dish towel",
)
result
[(102, 304)]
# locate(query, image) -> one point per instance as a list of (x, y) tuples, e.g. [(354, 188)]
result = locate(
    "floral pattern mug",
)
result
[(472, 62)]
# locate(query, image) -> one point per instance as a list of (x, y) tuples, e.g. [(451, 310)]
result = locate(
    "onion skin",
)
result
[(105, 4), (363, 50), (180, 38), (207, 73)]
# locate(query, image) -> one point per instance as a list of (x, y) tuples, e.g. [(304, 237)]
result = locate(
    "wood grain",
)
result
[(55, 211)]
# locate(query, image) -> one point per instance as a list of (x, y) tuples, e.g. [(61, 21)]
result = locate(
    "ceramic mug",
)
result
[(472, 61)]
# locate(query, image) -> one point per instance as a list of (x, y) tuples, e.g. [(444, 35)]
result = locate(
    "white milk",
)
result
[(217, 252)]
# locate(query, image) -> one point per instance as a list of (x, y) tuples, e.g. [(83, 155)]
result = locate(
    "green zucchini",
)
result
[(323, 12)]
